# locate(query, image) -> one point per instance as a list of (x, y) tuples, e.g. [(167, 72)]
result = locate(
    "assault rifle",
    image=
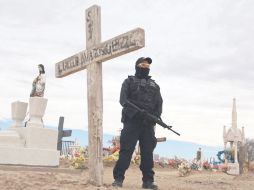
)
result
[(151, 116)]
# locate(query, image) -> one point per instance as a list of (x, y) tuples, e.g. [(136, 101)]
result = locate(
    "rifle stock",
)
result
[(151, 116)]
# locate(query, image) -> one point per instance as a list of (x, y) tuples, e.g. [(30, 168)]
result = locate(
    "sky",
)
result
[(202, 53)]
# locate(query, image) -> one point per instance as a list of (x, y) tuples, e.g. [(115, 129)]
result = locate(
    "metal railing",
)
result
[(66, 147)]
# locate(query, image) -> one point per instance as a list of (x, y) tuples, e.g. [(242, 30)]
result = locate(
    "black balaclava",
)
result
[(142, 72)]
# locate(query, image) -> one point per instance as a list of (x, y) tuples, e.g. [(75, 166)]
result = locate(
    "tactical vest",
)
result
[(143, 92)]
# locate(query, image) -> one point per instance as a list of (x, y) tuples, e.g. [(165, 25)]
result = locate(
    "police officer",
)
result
[(145, 93)]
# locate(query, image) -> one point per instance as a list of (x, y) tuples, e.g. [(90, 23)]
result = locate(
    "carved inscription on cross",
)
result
[(96, 52)]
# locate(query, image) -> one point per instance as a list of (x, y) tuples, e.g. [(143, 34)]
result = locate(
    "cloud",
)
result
[(201, 50)]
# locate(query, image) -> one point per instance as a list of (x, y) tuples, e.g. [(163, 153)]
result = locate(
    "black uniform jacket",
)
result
[(145, 93)]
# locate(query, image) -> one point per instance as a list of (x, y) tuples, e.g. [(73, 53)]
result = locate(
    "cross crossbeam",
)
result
[(122, 44)]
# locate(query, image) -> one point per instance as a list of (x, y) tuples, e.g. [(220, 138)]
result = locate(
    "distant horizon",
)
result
[(169, 149), (108, 133)]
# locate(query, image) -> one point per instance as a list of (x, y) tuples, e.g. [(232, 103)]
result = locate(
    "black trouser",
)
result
[(130, 134)]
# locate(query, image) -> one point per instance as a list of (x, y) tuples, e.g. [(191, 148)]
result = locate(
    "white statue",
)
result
[(39, 83)]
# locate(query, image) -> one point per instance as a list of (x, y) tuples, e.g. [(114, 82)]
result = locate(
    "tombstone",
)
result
[(91, 59), (234, 136), (30, 145), (200, 158)]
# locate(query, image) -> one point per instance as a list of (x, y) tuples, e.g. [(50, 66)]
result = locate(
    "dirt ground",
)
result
[(33, 178)]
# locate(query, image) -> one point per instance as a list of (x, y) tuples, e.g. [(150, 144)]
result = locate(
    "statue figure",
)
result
[(39, 83)]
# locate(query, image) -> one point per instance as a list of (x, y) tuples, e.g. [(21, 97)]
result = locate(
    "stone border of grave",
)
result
[(39, 169)]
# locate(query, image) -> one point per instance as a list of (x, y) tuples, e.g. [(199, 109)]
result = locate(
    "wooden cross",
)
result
[(91, 59), (62, 133)]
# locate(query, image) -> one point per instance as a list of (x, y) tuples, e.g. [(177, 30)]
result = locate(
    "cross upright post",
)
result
[(95, 96)]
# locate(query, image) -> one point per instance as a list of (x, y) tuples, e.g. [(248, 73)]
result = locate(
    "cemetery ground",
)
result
[(64, 178)]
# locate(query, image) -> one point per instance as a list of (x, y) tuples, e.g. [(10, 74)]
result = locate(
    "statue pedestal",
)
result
[(233, 169), (41, 138), (29, 156), (37, 107), (10, 138)]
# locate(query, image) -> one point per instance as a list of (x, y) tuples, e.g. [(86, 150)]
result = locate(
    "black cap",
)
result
[(142, 59)]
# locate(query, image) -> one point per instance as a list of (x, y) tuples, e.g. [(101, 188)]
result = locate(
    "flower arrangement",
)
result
[(184, 169), (206, 165), (78, 159), (137, 159), (194, 166), (174, 163), (113, 157), (215, 167)]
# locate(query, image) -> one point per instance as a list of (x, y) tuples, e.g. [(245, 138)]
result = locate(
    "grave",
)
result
[(234, 136), (32, 145)]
